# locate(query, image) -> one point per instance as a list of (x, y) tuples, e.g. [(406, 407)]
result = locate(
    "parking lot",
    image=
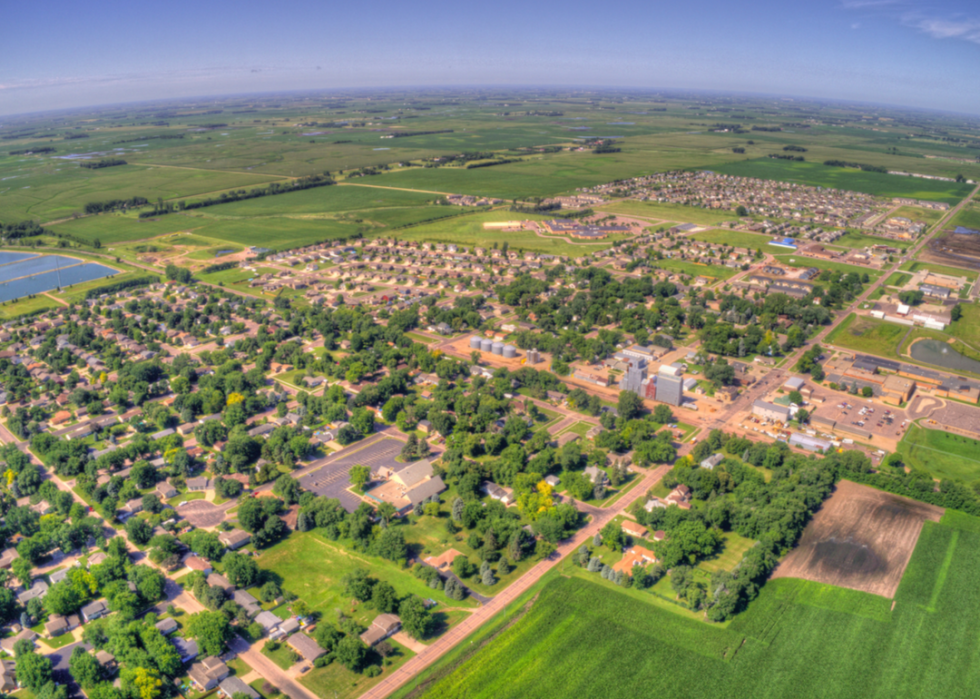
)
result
[(851, 411), (332, 479)]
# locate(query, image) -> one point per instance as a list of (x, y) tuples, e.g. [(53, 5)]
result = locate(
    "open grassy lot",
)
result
[(312, 566), (819, 175), (668, 212), (336, 682), (941, 454), (851, 239), (968, 217), (795, 260), (717, 272), (740, 239), (898, 279), (864, 334), (917, 213), (468, 230), (598, 640), (914, 266), (730, 554)]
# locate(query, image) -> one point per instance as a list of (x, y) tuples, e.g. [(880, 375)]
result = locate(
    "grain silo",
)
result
[(475, 342), (510, 351), (497, 348), (486, 345)]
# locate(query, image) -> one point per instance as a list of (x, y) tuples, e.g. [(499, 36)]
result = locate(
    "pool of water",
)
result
[(49, 280), (34, 265), (7, 257), (223, 252), (963, 230), (942, 355)]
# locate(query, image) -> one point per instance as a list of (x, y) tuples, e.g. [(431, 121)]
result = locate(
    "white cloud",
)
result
[(964, 28)]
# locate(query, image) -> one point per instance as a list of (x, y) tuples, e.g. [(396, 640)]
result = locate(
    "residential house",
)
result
[(383, 626), (307, 648)]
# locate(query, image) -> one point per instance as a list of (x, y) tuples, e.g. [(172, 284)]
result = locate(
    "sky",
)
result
[(61, 54)]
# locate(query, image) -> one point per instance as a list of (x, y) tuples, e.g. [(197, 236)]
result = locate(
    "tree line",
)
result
[(105, 162), (241, 194)]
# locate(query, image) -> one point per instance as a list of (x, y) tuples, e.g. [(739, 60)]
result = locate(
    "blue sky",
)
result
[(64, 53)]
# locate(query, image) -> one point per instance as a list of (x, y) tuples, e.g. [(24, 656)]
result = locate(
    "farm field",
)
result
[(674, 213), (597, 641), (941, 454), (740, 239), (50, 189), (968, 217), (819, 175), (324, 200)]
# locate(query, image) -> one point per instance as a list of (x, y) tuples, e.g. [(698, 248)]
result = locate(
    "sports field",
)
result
[(798, 639), (673, 213), (717, 272), (819, 175), (941, 454)]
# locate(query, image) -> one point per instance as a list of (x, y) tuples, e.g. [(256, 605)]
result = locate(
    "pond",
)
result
[(219, 253), (22, 275), (941, 354)]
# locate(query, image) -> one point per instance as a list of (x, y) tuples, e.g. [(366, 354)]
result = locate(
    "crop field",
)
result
[(324, 200), (861, 538), (819, 175), (864, 334), (941, 454), (739, 239), (49, 189), (859, 240), (672, 213), (599, 641)]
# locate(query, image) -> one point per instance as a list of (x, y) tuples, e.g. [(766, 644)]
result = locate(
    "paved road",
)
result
[(445, 643)]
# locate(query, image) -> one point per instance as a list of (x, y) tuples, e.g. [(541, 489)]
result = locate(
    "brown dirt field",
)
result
[(861, 538)]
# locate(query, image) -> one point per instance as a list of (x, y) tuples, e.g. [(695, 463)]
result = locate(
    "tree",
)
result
[(663, 415), (358, 584), (630, 405), (955, 313), (288, 489), (350, 652), (867, 391), (415, 618), (84, 668), (33, 671), (795, 397), (359, 475), (139, 531), (147, 683), (241, 570), (212, 631), (384, 597), (410, 448)]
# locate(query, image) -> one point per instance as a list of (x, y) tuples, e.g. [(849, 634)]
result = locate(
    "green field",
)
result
[(898, 279), (917, 213), (819, 175), (941, 454), (864, 334), (740, 239), (860, 240), (730, 554), (674, 213), (798, 639)]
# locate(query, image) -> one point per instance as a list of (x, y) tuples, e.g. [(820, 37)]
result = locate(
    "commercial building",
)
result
[(770, 411)]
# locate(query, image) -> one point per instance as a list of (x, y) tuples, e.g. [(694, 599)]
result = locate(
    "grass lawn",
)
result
[(740, 239), (420, 338), (337, 682), (917, 213), (732, 550), (967, 328), (591, 635), (283, 656), (239, 667), (579, 428), (941, 454), (864, 334), (860, 240)]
